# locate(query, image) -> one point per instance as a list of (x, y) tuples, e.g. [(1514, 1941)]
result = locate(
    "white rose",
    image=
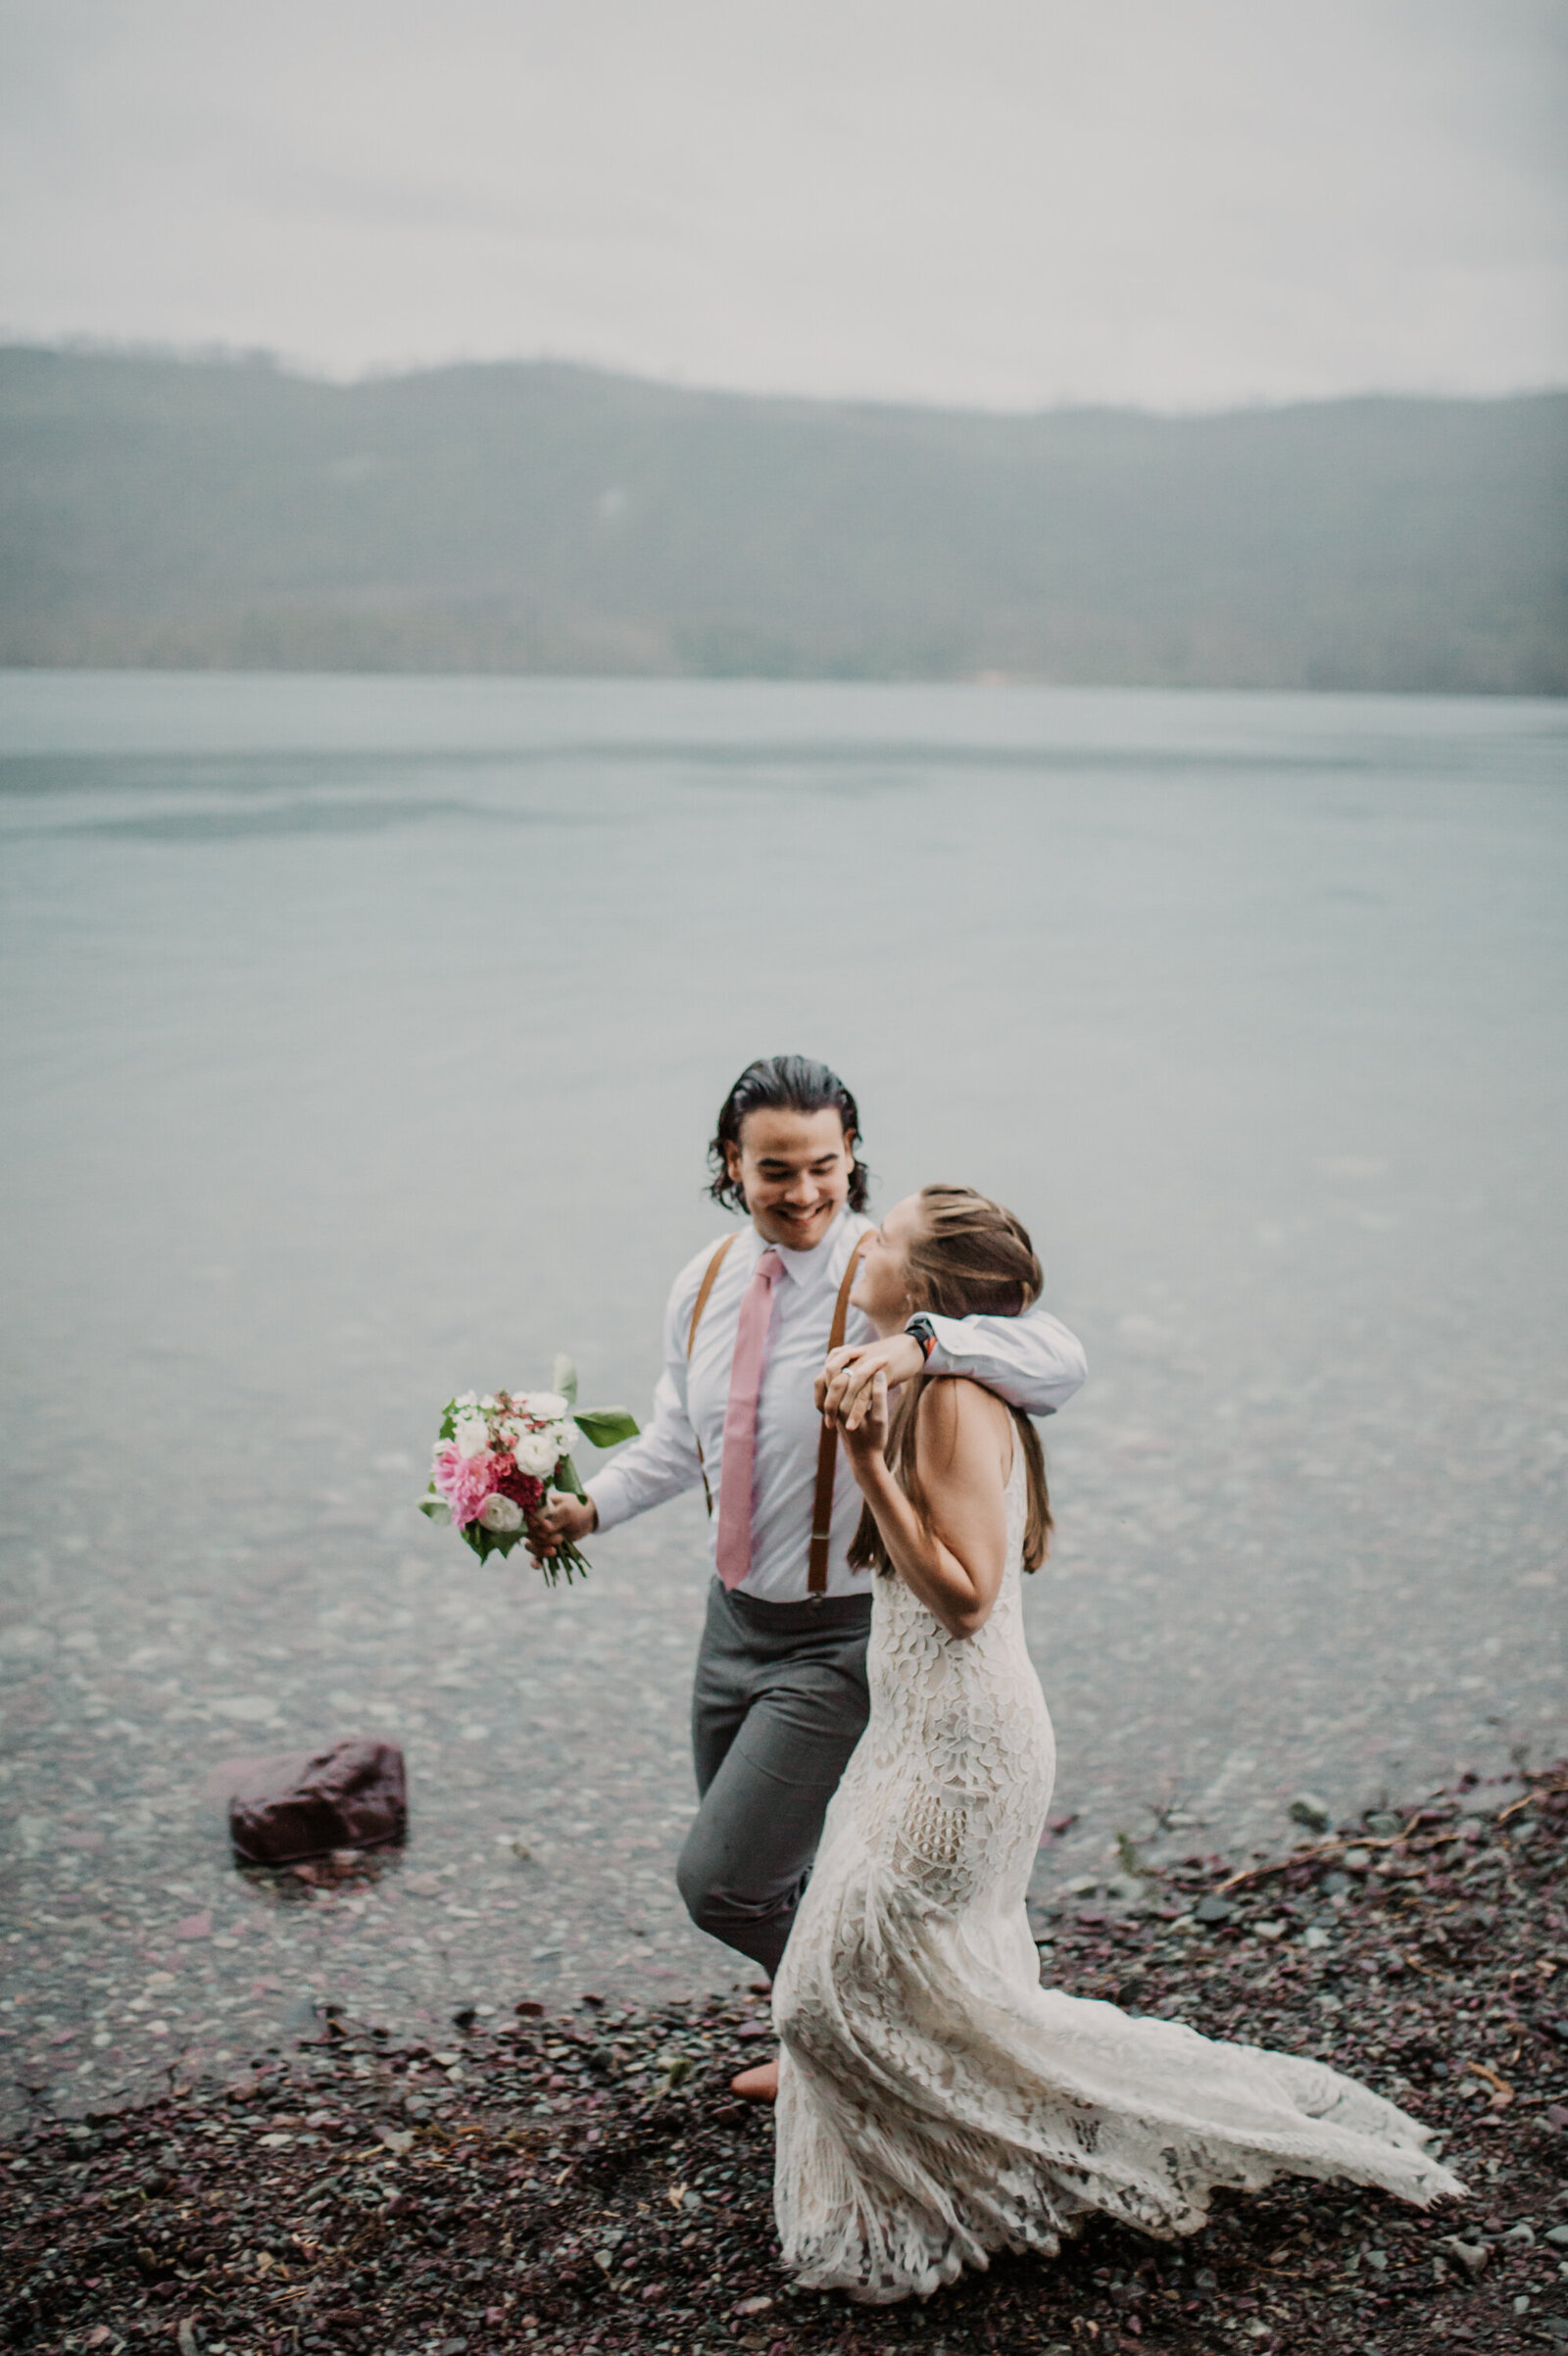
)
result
[(468, 1400), (472, 1435), (546, 1406), (501, 1513), (566, 1437), (536, 1452)]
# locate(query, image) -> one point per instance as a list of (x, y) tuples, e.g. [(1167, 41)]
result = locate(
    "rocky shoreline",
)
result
[(583, 2180)]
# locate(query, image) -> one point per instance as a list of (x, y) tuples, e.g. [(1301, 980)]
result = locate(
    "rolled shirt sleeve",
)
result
[(1033, 1361)]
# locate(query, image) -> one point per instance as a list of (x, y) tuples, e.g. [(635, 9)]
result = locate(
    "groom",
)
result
[(780, 1695)]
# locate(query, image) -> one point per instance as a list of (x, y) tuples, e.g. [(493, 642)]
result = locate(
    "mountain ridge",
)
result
[(543, 516)]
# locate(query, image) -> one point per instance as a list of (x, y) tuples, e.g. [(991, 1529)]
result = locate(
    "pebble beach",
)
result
[(578, 2178)]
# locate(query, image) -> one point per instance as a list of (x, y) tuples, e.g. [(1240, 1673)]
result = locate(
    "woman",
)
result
[(936, 2103)]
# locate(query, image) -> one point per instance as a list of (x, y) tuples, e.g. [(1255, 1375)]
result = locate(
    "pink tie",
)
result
[(734, 1549)]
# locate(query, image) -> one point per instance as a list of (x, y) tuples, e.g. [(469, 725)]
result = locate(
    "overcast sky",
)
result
[(1007, 202)]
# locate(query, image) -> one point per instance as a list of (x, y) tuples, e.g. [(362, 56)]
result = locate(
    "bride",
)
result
[(935, 2102)]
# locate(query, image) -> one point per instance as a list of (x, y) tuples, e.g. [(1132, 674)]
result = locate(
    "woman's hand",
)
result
[(844, 1385), (561, 1516), (865, 1440)]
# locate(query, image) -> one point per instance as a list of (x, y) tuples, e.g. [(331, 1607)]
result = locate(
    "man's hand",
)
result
[(559, 1516), (845, 1384)]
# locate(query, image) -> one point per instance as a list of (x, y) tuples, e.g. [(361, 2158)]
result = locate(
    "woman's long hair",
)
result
[(968, 1257)]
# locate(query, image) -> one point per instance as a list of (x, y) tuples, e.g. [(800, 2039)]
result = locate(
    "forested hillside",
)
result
[(539, 517)]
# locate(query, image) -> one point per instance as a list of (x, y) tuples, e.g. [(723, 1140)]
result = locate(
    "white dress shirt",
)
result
[(1031, 1361)]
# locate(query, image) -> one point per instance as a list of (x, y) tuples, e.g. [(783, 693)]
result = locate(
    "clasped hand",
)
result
[(851, 1390)]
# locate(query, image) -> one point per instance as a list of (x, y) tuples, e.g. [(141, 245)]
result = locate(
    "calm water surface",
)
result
[(361, 1039)]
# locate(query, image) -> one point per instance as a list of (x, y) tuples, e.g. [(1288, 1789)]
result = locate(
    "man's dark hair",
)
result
[(783, 1084)]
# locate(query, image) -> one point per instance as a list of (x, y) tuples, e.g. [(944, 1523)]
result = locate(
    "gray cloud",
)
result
[(1000, 201)]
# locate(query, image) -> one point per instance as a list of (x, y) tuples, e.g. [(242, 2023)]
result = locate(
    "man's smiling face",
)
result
[(794, 1170)]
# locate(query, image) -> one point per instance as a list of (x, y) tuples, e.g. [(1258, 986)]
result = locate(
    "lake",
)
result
[(361, 1043)]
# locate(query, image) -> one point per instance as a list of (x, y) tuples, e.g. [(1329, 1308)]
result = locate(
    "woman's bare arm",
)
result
[(954, 1562)]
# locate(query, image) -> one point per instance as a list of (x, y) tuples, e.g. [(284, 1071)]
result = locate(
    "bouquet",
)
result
[(497, 1458)]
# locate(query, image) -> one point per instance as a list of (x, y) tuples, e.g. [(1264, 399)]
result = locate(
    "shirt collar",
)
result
[(803, 1267)]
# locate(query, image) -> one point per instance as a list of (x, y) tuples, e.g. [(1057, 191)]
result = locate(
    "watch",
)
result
[(925, 1332)]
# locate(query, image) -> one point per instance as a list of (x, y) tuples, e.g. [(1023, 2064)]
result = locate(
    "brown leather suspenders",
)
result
[(827, 1448), (701, 1303), (702, 1291)]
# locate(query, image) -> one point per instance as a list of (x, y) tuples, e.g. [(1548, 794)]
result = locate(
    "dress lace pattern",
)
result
[(936, 2103)]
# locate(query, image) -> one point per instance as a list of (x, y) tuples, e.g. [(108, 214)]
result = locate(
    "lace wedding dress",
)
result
[(936, 2103)]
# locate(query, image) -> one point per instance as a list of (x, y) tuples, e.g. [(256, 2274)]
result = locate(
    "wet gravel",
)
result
[(581, 2179), (134, 1946), (1192, 1699)]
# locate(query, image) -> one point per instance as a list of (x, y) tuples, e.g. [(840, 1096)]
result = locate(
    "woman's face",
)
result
[(882, 1284)]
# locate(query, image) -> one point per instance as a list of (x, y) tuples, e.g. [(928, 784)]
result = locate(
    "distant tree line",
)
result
[(530, 517)]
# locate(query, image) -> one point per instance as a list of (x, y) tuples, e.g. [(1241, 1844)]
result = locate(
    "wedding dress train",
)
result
[(936, 2103)]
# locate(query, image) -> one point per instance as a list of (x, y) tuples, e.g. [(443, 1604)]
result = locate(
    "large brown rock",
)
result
[(353, 1794)]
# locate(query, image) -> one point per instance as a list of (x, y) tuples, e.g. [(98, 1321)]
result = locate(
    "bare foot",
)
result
[(756, 2086)]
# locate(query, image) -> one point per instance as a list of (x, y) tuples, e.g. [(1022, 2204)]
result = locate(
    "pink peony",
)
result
[(466, 1481)]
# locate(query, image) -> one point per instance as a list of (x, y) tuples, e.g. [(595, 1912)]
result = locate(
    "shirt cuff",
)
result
[(607, 1497), (955, 1352)]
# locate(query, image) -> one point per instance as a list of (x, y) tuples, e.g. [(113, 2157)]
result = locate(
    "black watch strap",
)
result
[(925, 1332)]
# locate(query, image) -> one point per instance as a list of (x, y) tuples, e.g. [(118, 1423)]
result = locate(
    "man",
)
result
[(780, 1696)]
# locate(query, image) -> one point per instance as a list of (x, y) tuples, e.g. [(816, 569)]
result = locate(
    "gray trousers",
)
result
[(779, 1705)]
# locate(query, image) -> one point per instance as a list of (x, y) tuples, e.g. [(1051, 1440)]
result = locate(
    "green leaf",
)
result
[(566, 1478), (436, 1507), (604, 1426), (565, 1380), (449, 1422)]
